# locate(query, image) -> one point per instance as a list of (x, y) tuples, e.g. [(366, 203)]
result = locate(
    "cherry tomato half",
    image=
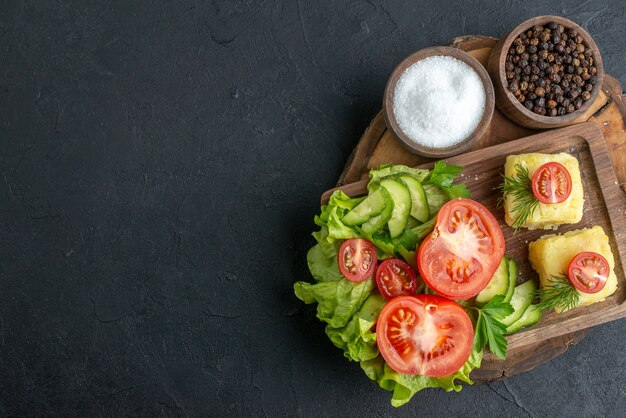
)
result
[(552, 183), (459, 257), (357, 259), (424, 334), (395, 278), (588, 272)]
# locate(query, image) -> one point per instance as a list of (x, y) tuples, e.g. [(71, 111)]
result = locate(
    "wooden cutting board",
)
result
[(378, 145)]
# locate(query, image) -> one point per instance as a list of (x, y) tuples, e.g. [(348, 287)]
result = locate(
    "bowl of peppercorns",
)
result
[(547, 73)]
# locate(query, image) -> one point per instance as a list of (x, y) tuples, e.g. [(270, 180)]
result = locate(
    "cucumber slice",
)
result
[(499, 284), (419, 204), (370, 207), (523, 296), (401, 206), (379, 221), (531, 316), (512, 280)]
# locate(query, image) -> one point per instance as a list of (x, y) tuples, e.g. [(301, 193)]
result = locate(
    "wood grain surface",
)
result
[(608, 113)]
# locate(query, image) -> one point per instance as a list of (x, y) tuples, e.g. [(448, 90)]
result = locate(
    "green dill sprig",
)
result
[(560, 293), (519, 187)]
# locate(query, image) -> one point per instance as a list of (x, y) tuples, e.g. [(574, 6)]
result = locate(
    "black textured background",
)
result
[(160, 165)]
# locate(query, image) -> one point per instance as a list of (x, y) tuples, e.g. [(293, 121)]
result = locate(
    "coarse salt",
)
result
[(439, 101)]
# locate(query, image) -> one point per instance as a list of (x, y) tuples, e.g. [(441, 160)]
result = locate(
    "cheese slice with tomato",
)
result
[(547, 216), (551, 254)]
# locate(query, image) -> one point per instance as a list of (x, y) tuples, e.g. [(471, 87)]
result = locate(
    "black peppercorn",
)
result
[(550, 69)]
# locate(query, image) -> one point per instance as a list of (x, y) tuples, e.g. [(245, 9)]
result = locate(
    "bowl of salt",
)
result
[(438, 102)]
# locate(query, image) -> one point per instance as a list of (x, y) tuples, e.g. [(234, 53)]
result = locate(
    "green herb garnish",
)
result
[(558, 294), (519, 187), (489, 331)]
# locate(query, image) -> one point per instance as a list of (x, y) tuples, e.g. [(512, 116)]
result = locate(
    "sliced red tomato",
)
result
[(459, 257), (357, 259), (552, 183), (424, 334), (588, 272), (395, 278)]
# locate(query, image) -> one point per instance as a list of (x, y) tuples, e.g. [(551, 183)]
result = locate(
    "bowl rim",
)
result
[(568, 24), (464, 144)]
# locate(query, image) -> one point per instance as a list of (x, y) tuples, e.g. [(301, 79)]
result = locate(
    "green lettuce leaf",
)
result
[(357, 339), (405, 386), (336, 228), (436, 197), (339, 204), (337, 301), (322, 258)]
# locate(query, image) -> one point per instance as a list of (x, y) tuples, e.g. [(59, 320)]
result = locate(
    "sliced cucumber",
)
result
[(368, 208), (522, 298), (419, 204), (499, 284), (401, 206), (379, 221), (531, 316), (512, 280)]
